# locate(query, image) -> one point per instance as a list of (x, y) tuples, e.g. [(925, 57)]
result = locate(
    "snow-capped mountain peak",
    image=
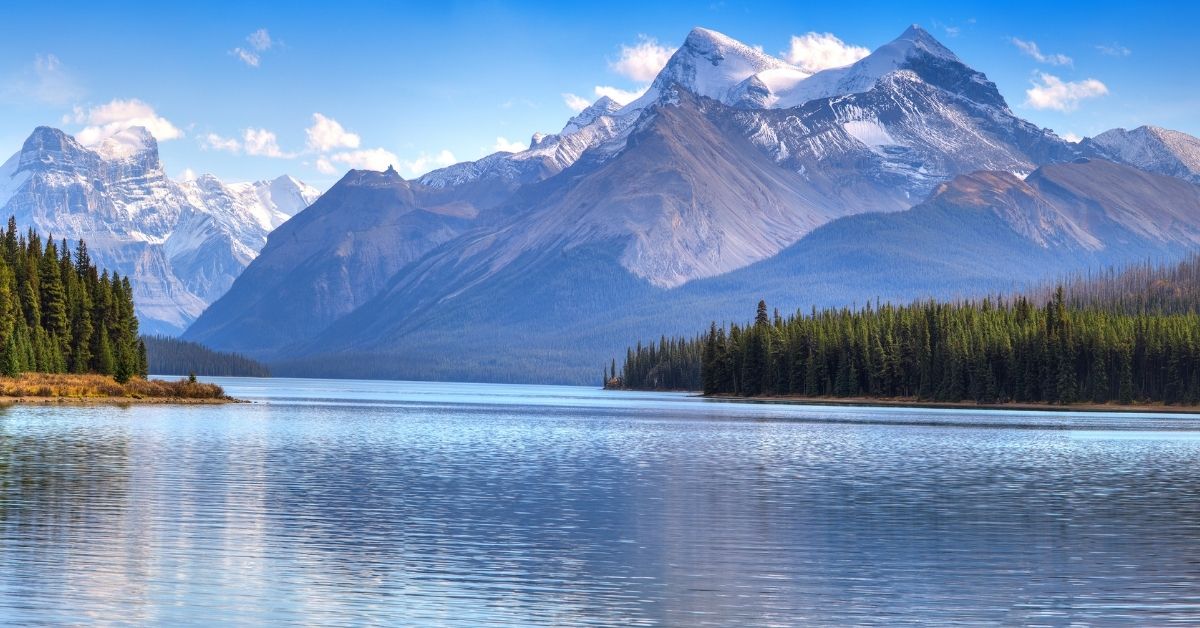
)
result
[(712, 65), (183, 242), (127, 143), (914, 38), (604, 106), (1150, 148), (915, 49)]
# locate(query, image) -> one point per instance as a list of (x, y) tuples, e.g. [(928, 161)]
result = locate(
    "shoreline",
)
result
[(867, 402), (116, 401), (96, 389)]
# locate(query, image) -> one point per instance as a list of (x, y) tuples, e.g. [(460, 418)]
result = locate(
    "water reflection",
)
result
[(343, 503)]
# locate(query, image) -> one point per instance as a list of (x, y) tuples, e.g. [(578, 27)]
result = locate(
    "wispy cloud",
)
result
[(45, 81), (1051, 92), (1031, 50), (257, 43), (1114, 50), (813, 52)]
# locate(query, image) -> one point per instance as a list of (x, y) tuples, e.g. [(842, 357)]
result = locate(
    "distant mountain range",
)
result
[(183, 242), (736, 176)]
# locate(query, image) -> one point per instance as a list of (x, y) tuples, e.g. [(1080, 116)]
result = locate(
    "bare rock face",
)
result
[(182, 243)]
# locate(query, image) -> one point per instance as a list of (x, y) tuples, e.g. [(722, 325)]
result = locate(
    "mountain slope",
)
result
[(1150, 148), (695, 199), (981, 233), (328, 260), (182, 243)]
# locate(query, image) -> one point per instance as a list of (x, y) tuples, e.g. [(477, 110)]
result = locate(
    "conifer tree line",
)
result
[(172, 356), (1128, 337), (673, 364), (1142, 288), (60, 314)]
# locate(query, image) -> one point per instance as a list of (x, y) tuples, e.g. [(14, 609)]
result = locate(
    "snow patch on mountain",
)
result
[(869, 132)]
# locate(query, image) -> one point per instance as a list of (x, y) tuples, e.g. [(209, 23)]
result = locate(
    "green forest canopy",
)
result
[(172, 356), (60, 314), (1131, 336)]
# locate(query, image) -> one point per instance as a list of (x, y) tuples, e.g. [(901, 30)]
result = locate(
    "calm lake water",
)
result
[(349, 503)]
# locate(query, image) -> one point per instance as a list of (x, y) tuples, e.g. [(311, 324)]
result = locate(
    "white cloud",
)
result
[(813, 52), (262, 143), (212, 141), (104, 121), (426, 162), (575, 102), (187, 175), (260, 41), (1031, 49), (1071, 137), (643, 60), (622, 96), (366, 159), (327, 134), (249, 58), (256, 142), (1054, 93), (324, 166), (1114, 50), (45, 81), (506, 146)]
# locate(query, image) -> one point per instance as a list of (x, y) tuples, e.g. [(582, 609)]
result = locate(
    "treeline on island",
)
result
[(172, 356), (60, 314), (1129, 337)]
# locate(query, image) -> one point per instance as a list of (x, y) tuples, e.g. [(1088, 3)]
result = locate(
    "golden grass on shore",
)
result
[(61, 386)]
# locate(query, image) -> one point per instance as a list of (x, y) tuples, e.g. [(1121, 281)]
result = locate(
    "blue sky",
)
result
[(238, 88)]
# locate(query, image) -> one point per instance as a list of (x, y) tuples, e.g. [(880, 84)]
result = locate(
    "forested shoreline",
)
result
[(1132, 337), (59, 313), (172, 356)]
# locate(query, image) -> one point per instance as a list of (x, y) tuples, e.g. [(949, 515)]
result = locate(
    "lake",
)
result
[(350, 502)]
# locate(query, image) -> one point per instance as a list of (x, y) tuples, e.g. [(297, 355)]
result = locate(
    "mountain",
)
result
[(1150, 148), (182, 242), (733, 177), (548, 315), (331, 258), (712, 65)]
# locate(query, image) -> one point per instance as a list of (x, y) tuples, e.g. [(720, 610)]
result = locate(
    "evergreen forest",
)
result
[(1131, 336), (60, 314)]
